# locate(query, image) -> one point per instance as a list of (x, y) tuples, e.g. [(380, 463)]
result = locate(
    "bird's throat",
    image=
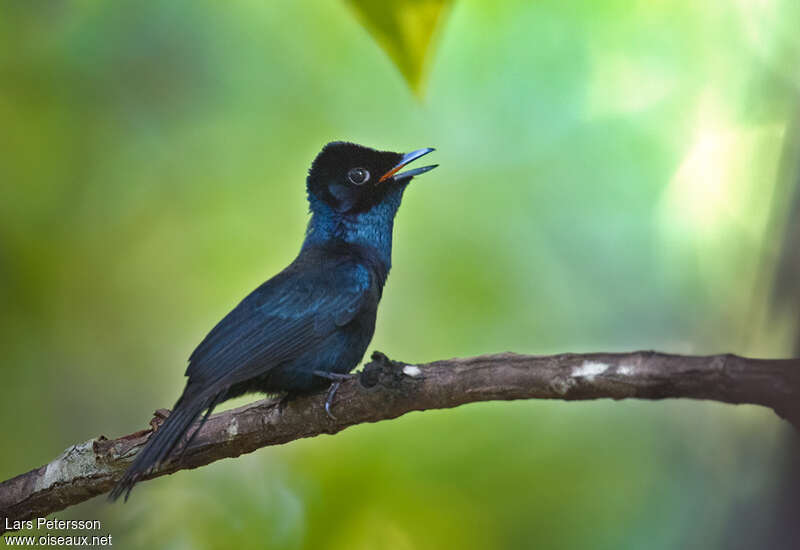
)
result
[(371, 228)]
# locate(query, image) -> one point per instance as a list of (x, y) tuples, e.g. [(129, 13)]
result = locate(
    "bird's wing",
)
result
[(291, 312)]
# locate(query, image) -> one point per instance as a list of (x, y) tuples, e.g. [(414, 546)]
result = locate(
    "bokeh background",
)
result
[(614, 175)]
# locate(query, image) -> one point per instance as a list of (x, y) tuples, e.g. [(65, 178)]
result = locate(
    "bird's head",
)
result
[(351, 178)]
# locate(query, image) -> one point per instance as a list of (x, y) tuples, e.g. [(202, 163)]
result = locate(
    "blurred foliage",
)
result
[(405, 30), (609, 180)]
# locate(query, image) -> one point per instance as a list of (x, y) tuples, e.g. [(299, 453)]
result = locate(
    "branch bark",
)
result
[(387, 389)]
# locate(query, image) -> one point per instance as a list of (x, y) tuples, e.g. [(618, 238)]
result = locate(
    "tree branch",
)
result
[(388, 389)]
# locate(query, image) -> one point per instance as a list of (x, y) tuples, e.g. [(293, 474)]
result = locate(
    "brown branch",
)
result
[(388, 389)]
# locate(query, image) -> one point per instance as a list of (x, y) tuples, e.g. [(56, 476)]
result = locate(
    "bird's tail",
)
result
[(164, 439)]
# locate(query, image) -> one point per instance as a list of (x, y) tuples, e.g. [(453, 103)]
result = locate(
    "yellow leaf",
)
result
[(405, 29)]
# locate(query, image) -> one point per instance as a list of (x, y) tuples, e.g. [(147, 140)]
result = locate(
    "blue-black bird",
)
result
[(309, 325)]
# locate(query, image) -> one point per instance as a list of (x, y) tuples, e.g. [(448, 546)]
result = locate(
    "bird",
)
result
[(309, 326)]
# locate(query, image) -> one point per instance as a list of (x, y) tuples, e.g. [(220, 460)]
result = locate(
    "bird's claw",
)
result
[(329, 399), (337, 379)]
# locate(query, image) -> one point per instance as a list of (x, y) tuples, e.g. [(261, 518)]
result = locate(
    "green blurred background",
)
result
[(614, 175)]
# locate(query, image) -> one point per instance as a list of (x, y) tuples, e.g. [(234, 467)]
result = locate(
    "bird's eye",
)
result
[(358, 176)]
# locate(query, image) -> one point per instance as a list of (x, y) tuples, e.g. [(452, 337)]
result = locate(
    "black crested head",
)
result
[(351, 178)]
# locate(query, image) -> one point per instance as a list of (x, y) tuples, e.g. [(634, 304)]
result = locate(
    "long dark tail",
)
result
[(162, 442)]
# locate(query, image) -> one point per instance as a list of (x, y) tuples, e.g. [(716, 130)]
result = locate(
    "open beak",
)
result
[(408, 157)]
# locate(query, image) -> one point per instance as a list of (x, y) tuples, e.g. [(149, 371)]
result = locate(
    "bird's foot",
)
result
[(337, 379), (329, 399), (285, 399)]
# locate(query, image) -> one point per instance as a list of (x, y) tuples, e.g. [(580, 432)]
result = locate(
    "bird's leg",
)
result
[(284, 399), (337, 381), (335, 376)]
